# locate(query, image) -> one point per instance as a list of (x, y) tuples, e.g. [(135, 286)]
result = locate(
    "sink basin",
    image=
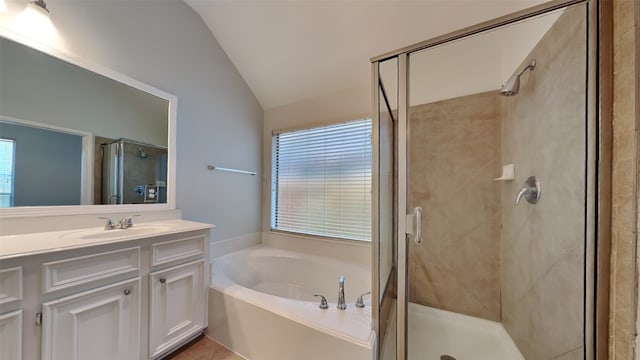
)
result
[(136, 230)]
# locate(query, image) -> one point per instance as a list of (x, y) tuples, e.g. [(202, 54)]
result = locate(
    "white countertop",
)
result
[(12, 246)]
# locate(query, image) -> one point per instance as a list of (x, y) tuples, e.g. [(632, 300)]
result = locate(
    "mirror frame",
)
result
[(33, 211)]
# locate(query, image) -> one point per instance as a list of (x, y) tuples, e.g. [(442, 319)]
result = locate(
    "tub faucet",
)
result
[(341, 304)]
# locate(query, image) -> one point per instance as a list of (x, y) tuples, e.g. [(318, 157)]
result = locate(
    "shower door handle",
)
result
[(417, 216)]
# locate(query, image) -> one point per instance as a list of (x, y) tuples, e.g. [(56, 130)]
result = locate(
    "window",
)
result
[(7, 178), (321, 181)]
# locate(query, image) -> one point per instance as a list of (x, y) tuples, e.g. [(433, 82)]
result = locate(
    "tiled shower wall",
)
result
[(454, 156), (542, 248)]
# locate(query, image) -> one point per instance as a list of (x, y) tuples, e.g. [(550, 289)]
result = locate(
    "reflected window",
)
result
[(321, 181), (7, 170)]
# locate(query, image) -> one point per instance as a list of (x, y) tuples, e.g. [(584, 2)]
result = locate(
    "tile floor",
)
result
[(205, 349)]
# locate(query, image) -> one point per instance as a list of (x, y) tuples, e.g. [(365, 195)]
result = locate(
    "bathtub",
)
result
[(261, 306)]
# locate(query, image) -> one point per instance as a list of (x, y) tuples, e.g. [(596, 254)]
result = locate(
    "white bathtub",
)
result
[(261, 306)]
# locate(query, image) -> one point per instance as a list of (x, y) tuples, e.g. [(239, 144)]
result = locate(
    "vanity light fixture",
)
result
[(35, 21), (3, 7), (40, 5)]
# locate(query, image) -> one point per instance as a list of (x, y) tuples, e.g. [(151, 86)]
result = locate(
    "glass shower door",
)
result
[(499, 174), (385, 244)]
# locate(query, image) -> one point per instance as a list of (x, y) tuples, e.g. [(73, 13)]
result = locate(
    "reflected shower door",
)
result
[(492, 279)]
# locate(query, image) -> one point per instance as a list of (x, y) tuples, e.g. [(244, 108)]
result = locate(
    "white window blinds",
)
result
[(321, 181)]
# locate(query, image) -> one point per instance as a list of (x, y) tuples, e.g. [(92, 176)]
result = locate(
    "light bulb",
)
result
[(34, 21)]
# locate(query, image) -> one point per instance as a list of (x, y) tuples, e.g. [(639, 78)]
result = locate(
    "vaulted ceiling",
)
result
[(289, 51)]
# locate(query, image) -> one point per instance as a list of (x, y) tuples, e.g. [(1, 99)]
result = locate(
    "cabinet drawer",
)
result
[(174, 250), (10, 284), (62, 274)]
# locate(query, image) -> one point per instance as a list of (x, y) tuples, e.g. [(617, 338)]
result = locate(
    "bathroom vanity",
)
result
[(136, 293)]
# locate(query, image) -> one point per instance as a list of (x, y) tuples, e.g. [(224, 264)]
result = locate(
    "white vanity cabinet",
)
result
[(177, 305), (130, 298), (98, 324)]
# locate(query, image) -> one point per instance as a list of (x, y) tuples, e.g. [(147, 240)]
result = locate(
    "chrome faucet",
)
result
[(341, 303), (123, 223)]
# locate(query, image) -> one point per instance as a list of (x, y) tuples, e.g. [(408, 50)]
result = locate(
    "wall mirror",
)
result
[(76, 137)]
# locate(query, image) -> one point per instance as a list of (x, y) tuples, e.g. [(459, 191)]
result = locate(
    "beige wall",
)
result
[(542, 249), (454, 155), (623, 295)]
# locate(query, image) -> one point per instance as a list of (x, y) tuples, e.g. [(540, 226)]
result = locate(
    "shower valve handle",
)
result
[(530, 190)]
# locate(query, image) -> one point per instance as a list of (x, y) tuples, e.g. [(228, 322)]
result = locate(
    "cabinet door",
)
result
[(11, 336), (177, 306), (99, 324)]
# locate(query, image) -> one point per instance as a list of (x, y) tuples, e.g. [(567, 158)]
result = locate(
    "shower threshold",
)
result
[(435, 334)]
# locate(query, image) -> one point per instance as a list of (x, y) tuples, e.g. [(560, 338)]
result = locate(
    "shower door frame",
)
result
[(599, 149)]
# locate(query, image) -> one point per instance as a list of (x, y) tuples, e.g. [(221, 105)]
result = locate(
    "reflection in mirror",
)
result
[(133, 173), (39, 166), (59, 121)]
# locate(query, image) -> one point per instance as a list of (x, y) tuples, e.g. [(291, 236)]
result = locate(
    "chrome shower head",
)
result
[(512, 85)]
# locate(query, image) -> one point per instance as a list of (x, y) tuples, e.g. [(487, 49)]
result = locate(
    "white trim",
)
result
[(88, 162), (33, 211)]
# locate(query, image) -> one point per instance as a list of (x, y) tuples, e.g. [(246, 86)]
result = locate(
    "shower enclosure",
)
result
[(133, 173), (487, 185)]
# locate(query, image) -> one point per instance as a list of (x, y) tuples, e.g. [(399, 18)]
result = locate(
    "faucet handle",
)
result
[(130, 220), (360, 301), (109, 225), (323, 302)]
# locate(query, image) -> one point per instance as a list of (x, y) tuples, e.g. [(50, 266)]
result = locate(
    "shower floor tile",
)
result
[(442, 335)]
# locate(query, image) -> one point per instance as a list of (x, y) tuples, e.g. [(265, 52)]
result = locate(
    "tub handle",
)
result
[(323, 302), (360, 301)]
